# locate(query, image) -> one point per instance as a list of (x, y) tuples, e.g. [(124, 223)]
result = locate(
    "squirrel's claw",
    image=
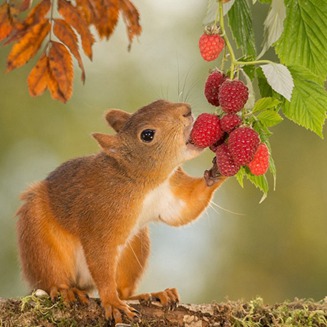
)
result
[(116, 313), (212, 176)]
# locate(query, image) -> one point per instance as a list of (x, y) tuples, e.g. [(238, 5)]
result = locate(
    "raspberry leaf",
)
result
[(305, 36), (279, 78), (309, 101), (240, 22), (273, 25), (270, 118), (265, 103)]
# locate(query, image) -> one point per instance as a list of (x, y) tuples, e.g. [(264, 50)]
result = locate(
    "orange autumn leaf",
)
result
[(74, 18), (108, 17), (66, 35), (60, 71), (38, 78), (28, 45), (6, 24), (37, 14), (131, 17)]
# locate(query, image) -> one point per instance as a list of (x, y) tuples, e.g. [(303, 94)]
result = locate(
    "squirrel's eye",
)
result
[(147, 135)]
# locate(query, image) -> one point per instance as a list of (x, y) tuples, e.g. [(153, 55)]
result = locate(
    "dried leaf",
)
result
[(37, 14), (6, 23), (107, 22), (38, 78), (131, 17), (88, 9), (74, 18), (68, 37), (28, 45), (61, 72)]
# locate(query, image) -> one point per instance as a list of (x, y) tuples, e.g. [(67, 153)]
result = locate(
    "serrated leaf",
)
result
[(304, 39), (240, 176), (28, 45), (38, 78), (265, 103), (279, 78), (60, 71), (270, 118), (264, 88), (240, 22), (309, 101), (251, 99), (273, 24), (259, 182), (212, 11)]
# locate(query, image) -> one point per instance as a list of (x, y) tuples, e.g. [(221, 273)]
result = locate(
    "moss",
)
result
[(41, 311)]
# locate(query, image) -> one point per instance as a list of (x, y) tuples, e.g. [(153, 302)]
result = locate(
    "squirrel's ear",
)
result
[(117, 118), (106, 141)]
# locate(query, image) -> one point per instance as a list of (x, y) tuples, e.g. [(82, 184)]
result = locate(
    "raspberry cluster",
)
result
[(235, 145)]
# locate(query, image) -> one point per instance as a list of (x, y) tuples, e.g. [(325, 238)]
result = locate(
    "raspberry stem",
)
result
[(234, 63), (228, 45)]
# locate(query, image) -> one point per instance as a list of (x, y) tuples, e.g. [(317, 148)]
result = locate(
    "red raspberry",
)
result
[(260, 163), (225, 162), (206, 130), (212, 85), (233, 95), (243, 143), (230, 122), (210, 46)]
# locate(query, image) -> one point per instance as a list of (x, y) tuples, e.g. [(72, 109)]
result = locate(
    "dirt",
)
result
[(40, 311)]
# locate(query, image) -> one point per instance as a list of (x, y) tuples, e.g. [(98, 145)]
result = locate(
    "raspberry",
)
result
[(212, 85), (243, 143), (233, 95), (206, 130), (225, 162), (260, 163), (230, 122), (210, 46)]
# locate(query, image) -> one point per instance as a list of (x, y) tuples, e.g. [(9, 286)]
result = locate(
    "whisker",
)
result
[(226, 210)]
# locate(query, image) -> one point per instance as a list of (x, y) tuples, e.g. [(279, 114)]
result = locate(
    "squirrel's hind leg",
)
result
[(47, 251), (132, 263)]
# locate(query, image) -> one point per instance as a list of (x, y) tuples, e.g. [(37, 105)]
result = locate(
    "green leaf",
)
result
[(279, 78), (309, 101), (264, 88), (304, 39), (265, 103), (270, 118), (240, 22), (240, 176), (273, 24), (259, 182)]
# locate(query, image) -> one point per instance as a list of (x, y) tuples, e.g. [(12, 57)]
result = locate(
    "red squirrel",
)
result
[(84, 227)]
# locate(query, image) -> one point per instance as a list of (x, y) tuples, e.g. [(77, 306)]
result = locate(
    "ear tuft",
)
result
[(105, 141), (117, 118)]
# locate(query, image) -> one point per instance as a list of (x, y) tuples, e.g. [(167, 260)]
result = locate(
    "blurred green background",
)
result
[(238, 248)]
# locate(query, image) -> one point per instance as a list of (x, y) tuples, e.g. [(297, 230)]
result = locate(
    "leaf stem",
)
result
[(228, 45), (254, 62)]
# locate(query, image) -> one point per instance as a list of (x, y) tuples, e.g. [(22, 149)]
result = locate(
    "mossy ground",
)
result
[(40, 311)]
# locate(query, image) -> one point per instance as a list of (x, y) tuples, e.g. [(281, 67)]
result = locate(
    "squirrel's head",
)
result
[(154, 137)]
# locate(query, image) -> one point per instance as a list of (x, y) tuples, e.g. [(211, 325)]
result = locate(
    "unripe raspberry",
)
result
[(210, 46), (206, 130), (260, 163), (243, 143), (212, 86), (233, 95), (225, 162), (229, 122)]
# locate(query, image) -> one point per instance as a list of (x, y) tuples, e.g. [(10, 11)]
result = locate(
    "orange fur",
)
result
[(84, 226)]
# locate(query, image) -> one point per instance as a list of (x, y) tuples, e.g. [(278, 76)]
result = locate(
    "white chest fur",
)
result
[(161, 204)]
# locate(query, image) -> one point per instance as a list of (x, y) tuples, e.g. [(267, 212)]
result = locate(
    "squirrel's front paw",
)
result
[(212, 176), (116, 312)]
